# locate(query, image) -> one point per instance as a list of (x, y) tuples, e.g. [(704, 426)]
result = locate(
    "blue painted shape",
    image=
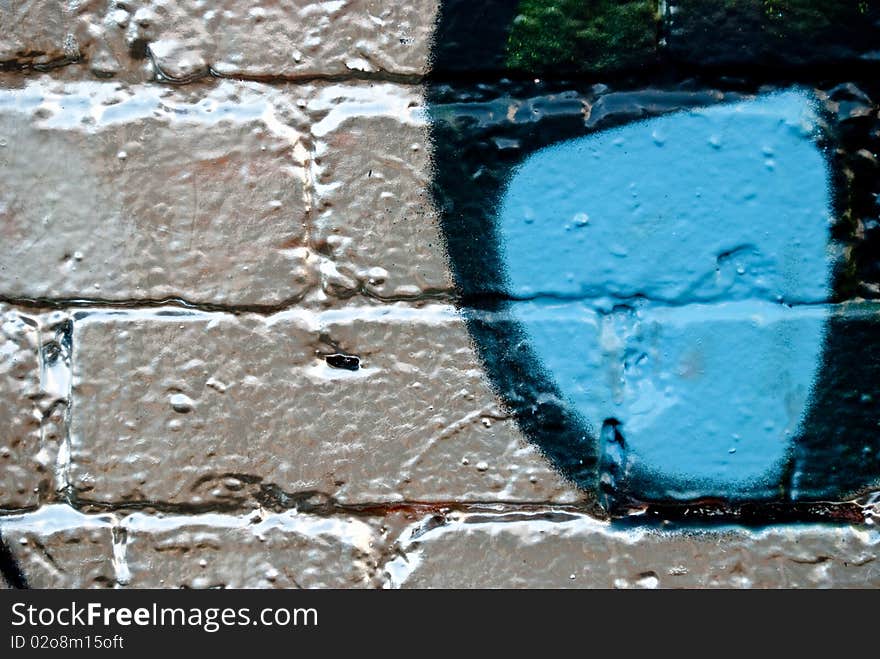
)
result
[(704, 221), (728, 201)]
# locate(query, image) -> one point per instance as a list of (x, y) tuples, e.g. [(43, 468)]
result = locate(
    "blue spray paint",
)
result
[(655, 264)]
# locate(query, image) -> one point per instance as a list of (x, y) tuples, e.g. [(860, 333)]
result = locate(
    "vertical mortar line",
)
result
[(63, 335), (119, 547), (68, 417), (38, 326), (308, 154)]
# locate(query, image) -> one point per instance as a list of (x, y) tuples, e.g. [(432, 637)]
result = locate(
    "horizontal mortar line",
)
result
[(747, 516), (62, 303), (366, 509), (658, 72), (351, 76), (488, 303), (15, 66), (302, 79), (163, 78)]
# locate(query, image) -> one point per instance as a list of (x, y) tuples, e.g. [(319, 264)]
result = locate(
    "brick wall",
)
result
[(232, 347)]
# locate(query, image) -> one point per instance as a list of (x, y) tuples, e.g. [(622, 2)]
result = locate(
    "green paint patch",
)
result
[(583, 35)]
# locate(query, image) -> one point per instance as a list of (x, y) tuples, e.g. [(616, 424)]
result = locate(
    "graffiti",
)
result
[(654, 279), (701, 393)]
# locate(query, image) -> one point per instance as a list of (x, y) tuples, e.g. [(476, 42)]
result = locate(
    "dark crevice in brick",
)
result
[(138, 49), (64, 303), (10, 568), (346, 362), (162, 77), (353, 76), (299, 79), (45, 67)]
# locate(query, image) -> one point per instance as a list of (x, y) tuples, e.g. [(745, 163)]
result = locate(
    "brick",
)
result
[(237, 194), (299, 38), (118, 192), (556, 550), (58, 547), (26, 467), (288, 550), (373, 215), (36, 33), (247, 406), (186, 40), (735, 401), (407, 414)]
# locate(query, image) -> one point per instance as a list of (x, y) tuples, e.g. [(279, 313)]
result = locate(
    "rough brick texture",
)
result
[(497, 551), (19, 389), (58, 547), (236, 399), (186, 40), (158, 192), (235, 345)]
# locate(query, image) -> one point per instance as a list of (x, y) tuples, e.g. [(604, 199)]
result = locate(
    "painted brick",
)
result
[(373, 215), (288, 550), (36, 33), (555, 550), (121, 192), (481, 133), (302, 38), (26, 467), (238, 193), (186, 40), (247, 406), (58, 547), (250, 197)]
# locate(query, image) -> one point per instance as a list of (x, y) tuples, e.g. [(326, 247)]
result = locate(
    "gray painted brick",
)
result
[(31, 409), (373, 216), (185, 40), (35, 32), (58, 547), (288, 550), (235, 193), (547, 550), (120, 192), (245, 405)]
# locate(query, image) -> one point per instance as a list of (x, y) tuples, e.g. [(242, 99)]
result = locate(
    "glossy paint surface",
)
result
[(670, 276)]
